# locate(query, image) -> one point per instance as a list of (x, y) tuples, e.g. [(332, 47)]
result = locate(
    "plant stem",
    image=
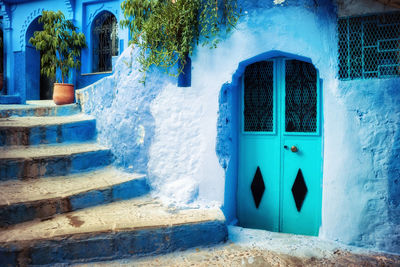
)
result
[(62, 74)]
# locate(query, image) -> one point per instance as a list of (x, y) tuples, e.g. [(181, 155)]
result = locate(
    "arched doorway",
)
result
[(280, 146), (104, 41), (38, 86)]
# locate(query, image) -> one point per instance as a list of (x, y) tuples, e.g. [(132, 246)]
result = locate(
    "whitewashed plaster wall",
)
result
[(171, 133), (362, 164)]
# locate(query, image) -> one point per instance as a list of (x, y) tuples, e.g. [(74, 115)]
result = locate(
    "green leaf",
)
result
[(166, 32), (59, 42)]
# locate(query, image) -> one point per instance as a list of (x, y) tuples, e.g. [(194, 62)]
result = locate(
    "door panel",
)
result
[(280, 108), (307, 159), (258, 146), (259, 151), (32, 70), (301, 130)]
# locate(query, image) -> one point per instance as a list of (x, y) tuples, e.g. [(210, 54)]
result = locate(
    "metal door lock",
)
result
[(294, 149)]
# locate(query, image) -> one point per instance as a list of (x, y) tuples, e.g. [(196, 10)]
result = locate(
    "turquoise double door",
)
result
[(280, 149)]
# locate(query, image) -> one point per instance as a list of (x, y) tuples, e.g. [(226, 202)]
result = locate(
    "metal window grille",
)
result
[(258, 97), (301, 97), (106, 41), (369, 46)]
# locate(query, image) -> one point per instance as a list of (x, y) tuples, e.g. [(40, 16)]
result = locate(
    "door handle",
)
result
[(294, 149)]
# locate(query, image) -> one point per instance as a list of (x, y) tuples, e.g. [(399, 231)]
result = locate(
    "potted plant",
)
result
[(166, 31), (60, 47)]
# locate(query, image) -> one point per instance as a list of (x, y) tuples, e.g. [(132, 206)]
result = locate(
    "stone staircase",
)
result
[(61, 200)]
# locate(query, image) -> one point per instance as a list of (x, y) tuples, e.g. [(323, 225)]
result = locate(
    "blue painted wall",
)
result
[(123, 106), (86, 79), (227, 145), (19, 23), (362, 163), (186, 139)]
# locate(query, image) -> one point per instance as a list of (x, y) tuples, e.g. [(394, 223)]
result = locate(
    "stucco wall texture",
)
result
[(362, 164), (184, 138)]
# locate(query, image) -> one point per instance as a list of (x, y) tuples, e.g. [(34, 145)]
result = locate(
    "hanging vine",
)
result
[(166, 31)]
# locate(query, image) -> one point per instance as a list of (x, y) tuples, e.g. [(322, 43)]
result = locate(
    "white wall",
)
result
[(171, 132)]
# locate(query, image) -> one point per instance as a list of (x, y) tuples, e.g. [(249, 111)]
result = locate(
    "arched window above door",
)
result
[(104, 41)]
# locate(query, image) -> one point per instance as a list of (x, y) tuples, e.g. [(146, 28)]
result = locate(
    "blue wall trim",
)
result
[(185, 78), (90, 78)]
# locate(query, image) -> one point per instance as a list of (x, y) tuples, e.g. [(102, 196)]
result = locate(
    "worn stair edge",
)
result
[(74, 131), (38, 108), (45, 208), (139, 226), (53, 165), (114, 245)]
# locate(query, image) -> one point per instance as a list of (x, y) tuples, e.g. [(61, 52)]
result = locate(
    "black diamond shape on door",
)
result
[(257, 187), (299, 190)]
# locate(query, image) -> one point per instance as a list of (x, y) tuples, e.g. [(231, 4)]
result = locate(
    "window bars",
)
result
[(369, 46), (259, 97), (105, 42), (301, 96)]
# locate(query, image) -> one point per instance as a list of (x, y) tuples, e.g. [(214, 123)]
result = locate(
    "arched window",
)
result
[(104, 41)]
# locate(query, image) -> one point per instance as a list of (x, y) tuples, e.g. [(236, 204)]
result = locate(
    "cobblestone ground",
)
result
[(235, 255)]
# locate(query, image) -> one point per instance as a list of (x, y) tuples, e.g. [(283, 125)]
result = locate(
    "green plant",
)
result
[(59, 44), (166, 31)]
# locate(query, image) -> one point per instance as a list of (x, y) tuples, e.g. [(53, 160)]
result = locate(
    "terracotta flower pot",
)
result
[(63, 93)]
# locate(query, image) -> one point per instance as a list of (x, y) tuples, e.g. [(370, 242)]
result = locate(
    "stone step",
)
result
[(22, 201), (46, 130), (23, 162), (141, 226), (38, 108)]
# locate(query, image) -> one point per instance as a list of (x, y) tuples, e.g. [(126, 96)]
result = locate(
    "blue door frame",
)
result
[(290, 194)]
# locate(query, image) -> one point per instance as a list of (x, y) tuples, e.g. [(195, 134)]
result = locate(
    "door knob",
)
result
[(294, 149)]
